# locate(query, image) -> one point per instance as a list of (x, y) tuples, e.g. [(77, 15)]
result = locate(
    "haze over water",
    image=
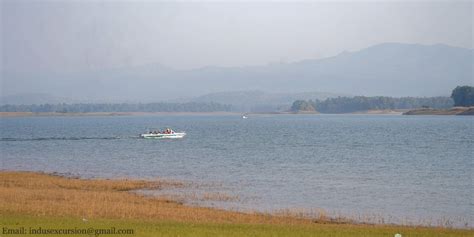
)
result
[(400, 167)]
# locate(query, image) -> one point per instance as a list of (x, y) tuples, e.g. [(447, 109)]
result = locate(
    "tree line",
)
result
[(463, 96), (460, 96), (123, 107), (362, 103)]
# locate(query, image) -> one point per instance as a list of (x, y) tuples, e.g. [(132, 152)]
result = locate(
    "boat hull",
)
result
[(163, 135)]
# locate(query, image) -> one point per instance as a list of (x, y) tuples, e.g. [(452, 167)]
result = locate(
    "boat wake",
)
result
[(8, 139)]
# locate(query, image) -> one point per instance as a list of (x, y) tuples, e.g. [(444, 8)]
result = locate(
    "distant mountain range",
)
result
[(389, 69)]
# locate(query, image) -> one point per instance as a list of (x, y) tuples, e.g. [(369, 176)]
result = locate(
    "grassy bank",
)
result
[(169, 228), (34, 200)]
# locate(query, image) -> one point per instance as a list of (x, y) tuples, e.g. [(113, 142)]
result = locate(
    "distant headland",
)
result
[(461, 102)]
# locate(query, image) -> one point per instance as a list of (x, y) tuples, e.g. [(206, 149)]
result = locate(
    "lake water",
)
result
[(402, 168)]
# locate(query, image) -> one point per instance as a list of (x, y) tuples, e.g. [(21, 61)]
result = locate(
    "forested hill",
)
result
[(363, 103), (149, 107)]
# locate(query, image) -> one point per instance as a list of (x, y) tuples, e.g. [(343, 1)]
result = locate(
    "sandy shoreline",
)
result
[(52, 114), (453, 111)]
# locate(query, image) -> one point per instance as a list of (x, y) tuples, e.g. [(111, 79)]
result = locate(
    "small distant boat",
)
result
[(168, 133), (244, 117)]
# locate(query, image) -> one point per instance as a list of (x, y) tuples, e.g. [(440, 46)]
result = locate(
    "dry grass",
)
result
[(317, 214), (31, 198), (37, 199), (48, 195)]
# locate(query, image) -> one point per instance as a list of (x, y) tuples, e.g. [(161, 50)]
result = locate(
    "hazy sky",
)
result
[(87, 35)]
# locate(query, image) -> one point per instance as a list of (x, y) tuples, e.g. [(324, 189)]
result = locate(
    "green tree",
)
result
[(302, 105), (463, 96)]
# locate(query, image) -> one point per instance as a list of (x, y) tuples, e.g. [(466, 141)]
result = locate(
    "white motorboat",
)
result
[(168, 133)]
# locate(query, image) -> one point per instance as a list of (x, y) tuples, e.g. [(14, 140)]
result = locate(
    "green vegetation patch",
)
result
[(99, 227)]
